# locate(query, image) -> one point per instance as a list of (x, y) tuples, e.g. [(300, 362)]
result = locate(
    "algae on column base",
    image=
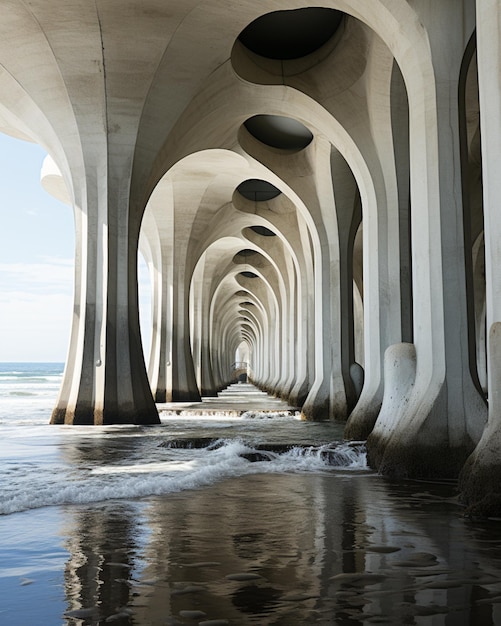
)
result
[(320, 405), (480, 479), (480, 485), (415, 435), (417, 460)]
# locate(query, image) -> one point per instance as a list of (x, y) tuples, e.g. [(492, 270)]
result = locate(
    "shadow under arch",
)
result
[(473, 218)]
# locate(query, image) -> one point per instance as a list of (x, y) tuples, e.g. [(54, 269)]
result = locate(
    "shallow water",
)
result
[(289, 549), (121, 525)]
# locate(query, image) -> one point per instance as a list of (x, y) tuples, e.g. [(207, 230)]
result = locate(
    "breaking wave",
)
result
[(171, 469)]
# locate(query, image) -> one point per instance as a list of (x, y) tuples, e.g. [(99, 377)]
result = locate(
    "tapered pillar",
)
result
[(348, 216), (158, 233), (440, 418), (184, 385), (108, 382), (327, 396), (207, 383), (480, 481)]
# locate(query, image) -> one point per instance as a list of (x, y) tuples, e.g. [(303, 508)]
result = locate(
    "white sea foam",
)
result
[(275, 415), (185, 469), (46, 465)]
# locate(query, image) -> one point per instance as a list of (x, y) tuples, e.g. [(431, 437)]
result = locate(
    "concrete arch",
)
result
[(211, 162), (241, 221), (340, 139), (270, 305)]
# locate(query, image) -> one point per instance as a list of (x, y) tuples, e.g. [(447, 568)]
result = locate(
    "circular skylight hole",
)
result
[(247, 252), (263, 231), (278, 131), (258, 190), (291, 34)]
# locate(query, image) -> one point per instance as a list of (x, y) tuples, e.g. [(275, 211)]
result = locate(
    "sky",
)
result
[(37, 243)]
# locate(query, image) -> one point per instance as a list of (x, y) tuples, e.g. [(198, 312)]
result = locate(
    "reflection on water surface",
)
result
[(284, 549), (115, 527)]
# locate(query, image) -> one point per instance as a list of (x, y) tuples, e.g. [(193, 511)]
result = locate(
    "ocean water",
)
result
[(217, 520), (45, 465)]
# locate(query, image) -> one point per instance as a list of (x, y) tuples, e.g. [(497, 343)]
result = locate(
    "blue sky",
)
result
[(36, 260)]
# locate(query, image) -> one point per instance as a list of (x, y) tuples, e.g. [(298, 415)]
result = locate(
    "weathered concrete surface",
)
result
[(480, 478)]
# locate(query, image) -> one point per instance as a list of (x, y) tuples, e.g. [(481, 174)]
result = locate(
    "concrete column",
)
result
[(109, 382), (371, 128), (348, 216), (438, 425), (400, 128), (208, 386), (291, 330), (327, 397), (184, 385), (305, 347), (158, 230), (480, 480)]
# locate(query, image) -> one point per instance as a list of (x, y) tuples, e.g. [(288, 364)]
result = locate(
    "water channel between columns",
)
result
[(236, 400)]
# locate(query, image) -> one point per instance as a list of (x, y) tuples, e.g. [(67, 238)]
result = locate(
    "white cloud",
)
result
[(34, 327), (36, 301), (49, 276), (36, 307)]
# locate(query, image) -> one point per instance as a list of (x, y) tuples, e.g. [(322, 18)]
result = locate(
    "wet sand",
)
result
[(292, 550)]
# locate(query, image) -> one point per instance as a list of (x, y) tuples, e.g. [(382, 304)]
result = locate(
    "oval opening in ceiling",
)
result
[(258, 190), (247, 252), (278, 131), (263, 231), (249, 274), (291, 34)]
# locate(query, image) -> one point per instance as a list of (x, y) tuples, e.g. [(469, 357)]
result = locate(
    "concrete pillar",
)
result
[(184, 385), (305, 347), (196, 289), (106, 380), (327, 396), (208, 386), (443, 415), (400, 132), (109, 384), (371, 127), (348, 214), (291, 330), (158, 230), (480, 481)]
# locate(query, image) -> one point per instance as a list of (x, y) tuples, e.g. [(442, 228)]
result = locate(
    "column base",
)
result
[(95, 417), (480, 478)]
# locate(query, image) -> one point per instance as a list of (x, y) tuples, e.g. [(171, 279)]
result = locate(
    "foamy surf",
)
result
[(45, 466), (181, 469)]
